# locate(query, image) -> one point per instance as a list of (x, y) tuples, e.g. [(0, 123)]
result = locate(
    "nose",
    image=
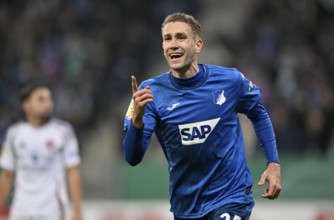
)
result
[(173, 44), (47, 103)]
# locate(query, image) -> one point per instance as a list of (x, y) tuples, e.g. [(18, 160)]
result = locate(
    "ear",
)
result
[(25, 105), (199, 45)]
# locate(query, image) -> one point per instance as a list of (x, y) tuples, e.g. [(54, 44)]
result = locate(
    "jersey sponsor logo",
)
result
[(219, 97), (34, 156), (129, 112), (198, 132), (170, 108)]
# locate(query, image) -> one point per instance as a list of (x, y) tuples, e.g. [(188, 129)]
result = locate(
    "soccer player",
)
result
[(38, 151), (193, 111)]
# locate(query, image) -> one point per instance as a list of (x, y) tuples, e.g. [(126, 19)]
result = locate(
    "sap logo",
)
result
[(198, 132)]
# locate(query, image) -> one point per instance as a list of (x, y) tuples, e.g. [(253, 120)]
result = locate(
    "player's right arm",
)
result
[(6, 181), (137, 132), (7, 164)]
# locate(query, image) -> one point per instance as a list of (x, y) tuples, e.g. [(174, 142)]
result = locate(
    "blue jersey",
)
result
[(196, 123)]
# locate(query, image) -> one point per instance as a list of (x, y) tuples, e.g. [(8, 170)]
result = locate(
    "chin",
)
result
[(177, 66), (180, 68), (45, 118)]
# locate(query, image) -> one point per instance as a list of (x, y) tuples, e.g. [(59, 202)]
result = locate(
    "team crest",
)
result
[(219, 97), (50, 144)]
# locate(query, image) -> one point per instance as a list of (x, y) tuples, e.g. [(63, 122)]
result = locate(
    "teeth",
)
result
[(175, 55)]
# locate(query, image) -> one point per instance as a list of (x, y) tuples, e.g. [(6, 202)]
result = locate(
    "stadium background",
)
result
[(89, 49)]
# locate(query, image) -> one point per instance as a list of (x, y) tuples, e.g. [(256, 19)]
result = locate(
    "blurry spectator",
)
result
[(89, 49), (290, 42)]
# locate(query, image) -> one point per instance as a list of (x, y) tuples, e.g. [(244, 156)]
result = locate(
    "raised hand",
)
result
[(140, 100)]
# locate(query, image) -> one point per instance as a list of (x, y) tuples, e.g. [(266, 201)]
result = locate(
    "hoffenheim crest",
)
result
[(219, 97)]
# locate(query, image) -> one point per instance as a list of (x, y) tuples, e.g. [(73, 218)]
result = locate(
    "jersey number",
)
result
[(227, 216)]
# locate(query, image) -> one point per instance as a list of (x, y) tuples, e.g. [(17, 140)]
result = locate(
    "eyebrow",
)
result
[(176, 34)]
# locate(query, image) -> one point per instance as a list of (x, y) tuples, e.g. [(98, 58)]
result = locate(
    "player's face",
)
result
[(180, 46), (39, 105)]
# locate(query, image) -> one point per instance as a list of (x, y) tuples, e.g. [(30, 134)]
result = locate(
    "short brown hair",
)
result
[(29, 87), (183, 17)]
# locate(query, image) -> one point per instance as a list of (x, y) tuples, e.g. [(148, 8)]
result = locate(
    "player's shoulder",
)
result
[(161, 79), (222, 70), (227, 73), (16, 129), (59, 123), (16, 126)]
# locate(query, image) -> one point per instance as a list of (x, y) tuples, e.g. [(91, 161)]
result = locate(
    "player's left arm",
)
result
[(249, 104), (266, 136), (74, 185), (72, 161)]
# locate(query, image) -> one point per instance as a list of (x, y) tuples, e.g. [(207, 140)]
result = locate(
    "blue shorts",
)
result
[(233, 211)]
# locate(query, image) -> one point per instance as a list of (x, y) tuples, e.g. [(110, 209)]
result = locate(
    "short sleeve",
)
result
[(71, 148)]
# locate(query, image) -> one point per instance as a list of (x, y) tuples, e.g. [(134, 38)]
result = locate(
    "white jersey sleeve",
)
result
[(7, 159), (71, 148)]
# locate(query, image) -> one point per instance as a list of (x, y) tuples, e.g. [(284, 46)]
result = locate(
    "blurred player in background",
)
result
[(40, 152), (193, 111)]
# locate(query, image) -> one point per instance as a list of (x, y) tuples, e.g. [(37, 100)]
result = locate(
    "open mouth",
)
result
[(175, 56)]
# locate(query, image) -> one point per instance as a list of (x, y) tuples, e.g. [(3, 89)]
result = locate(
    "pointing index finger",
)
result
[(134, 84)]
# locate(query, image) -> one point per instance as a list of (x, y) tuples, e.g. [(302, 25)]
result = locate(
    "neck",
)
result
[(37, 121), (186, 72)]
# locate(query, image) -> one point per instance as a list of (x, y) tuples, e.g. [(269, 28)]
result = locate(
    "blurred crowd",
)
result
[(288, 48), (88, 50)]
